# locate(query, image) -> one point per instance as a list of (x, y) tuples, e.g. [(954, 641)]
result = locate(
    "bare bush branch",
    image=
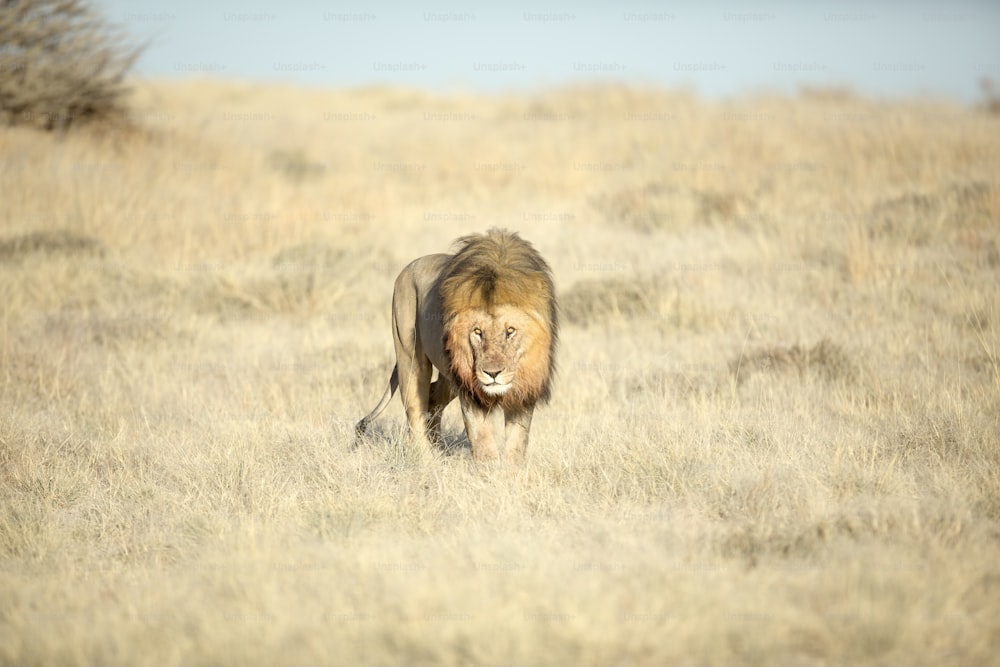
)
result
[(61, 64)]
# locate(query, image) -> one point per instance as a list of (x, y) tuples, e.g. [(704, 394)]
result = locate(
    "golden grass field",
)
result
[(775, 431)]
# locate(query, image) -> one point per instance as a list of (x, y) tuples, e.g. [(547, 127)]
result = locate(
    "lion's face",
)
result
[(499, 356)]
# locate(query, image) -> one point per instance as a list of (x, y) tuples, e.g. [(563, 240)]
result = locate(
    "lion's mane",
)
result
[(495, 269)]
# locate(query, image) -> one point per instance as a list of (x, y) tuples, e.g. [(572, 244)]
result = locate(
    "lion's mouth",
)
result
[(495, 388)]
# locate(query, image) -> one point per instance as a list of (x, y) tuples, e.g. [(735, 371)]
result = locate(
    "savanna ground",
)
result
[(773, 439)]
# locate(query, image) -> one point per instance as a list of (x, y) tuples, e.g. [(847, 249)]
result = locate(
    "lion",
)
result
[(486, 319)]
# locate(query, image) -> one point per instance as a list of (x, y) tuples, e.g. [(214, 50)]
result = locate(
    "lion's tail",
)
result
[(362, 426)]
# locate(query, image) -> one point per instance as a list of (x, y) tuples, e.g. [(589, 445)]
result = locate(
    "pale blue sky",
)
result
[(718, 49)]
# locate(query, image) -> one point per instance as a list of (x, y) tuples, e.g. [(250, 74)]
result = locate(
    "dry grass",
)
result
[(774, 438)]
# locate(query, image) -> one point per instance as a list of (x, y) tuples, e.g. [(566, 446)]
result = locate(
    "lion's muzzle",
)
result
[(494, 383)]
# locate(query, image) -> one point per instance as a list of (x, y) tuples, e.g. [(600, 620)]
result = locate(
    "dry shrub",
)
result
[(652, 207), (825, 359), (920, 217), (295, 165), (593, 301), (670, 385), (657, 300), (60, 64), (991, 96), (57, 242), (658, 206), (754, 541), (301, 278)]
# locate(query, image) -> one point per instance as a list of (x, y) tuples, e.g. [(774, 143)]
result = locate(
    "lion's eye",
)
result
[(478, 332), (511, 331)]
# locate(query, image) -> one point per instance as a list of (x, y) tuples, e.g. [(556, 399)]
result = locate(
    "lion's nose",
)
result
[(493, 374)]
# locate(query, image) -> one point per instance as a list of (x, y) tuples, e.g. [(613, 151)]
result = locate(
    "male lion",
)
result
[(485, 317)]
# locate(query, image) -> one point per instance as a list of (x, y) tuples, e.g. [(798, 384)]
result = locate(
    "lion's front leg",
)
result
[(441, 394), (516, 434), (485, 429)]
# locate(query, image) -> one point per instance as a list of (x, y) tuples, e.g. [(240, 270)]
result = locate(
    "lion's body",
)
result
[(486, 319)]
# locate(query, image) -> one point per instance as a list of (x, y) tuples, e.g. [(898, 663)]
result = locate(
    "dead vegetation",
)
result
[(61, 64), (825, 360), (775, 414), (660, 206), (49, 242)]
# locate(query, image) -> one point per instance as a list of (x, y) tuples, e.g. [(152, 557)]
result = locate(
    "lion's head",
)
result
[(500, 320)]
